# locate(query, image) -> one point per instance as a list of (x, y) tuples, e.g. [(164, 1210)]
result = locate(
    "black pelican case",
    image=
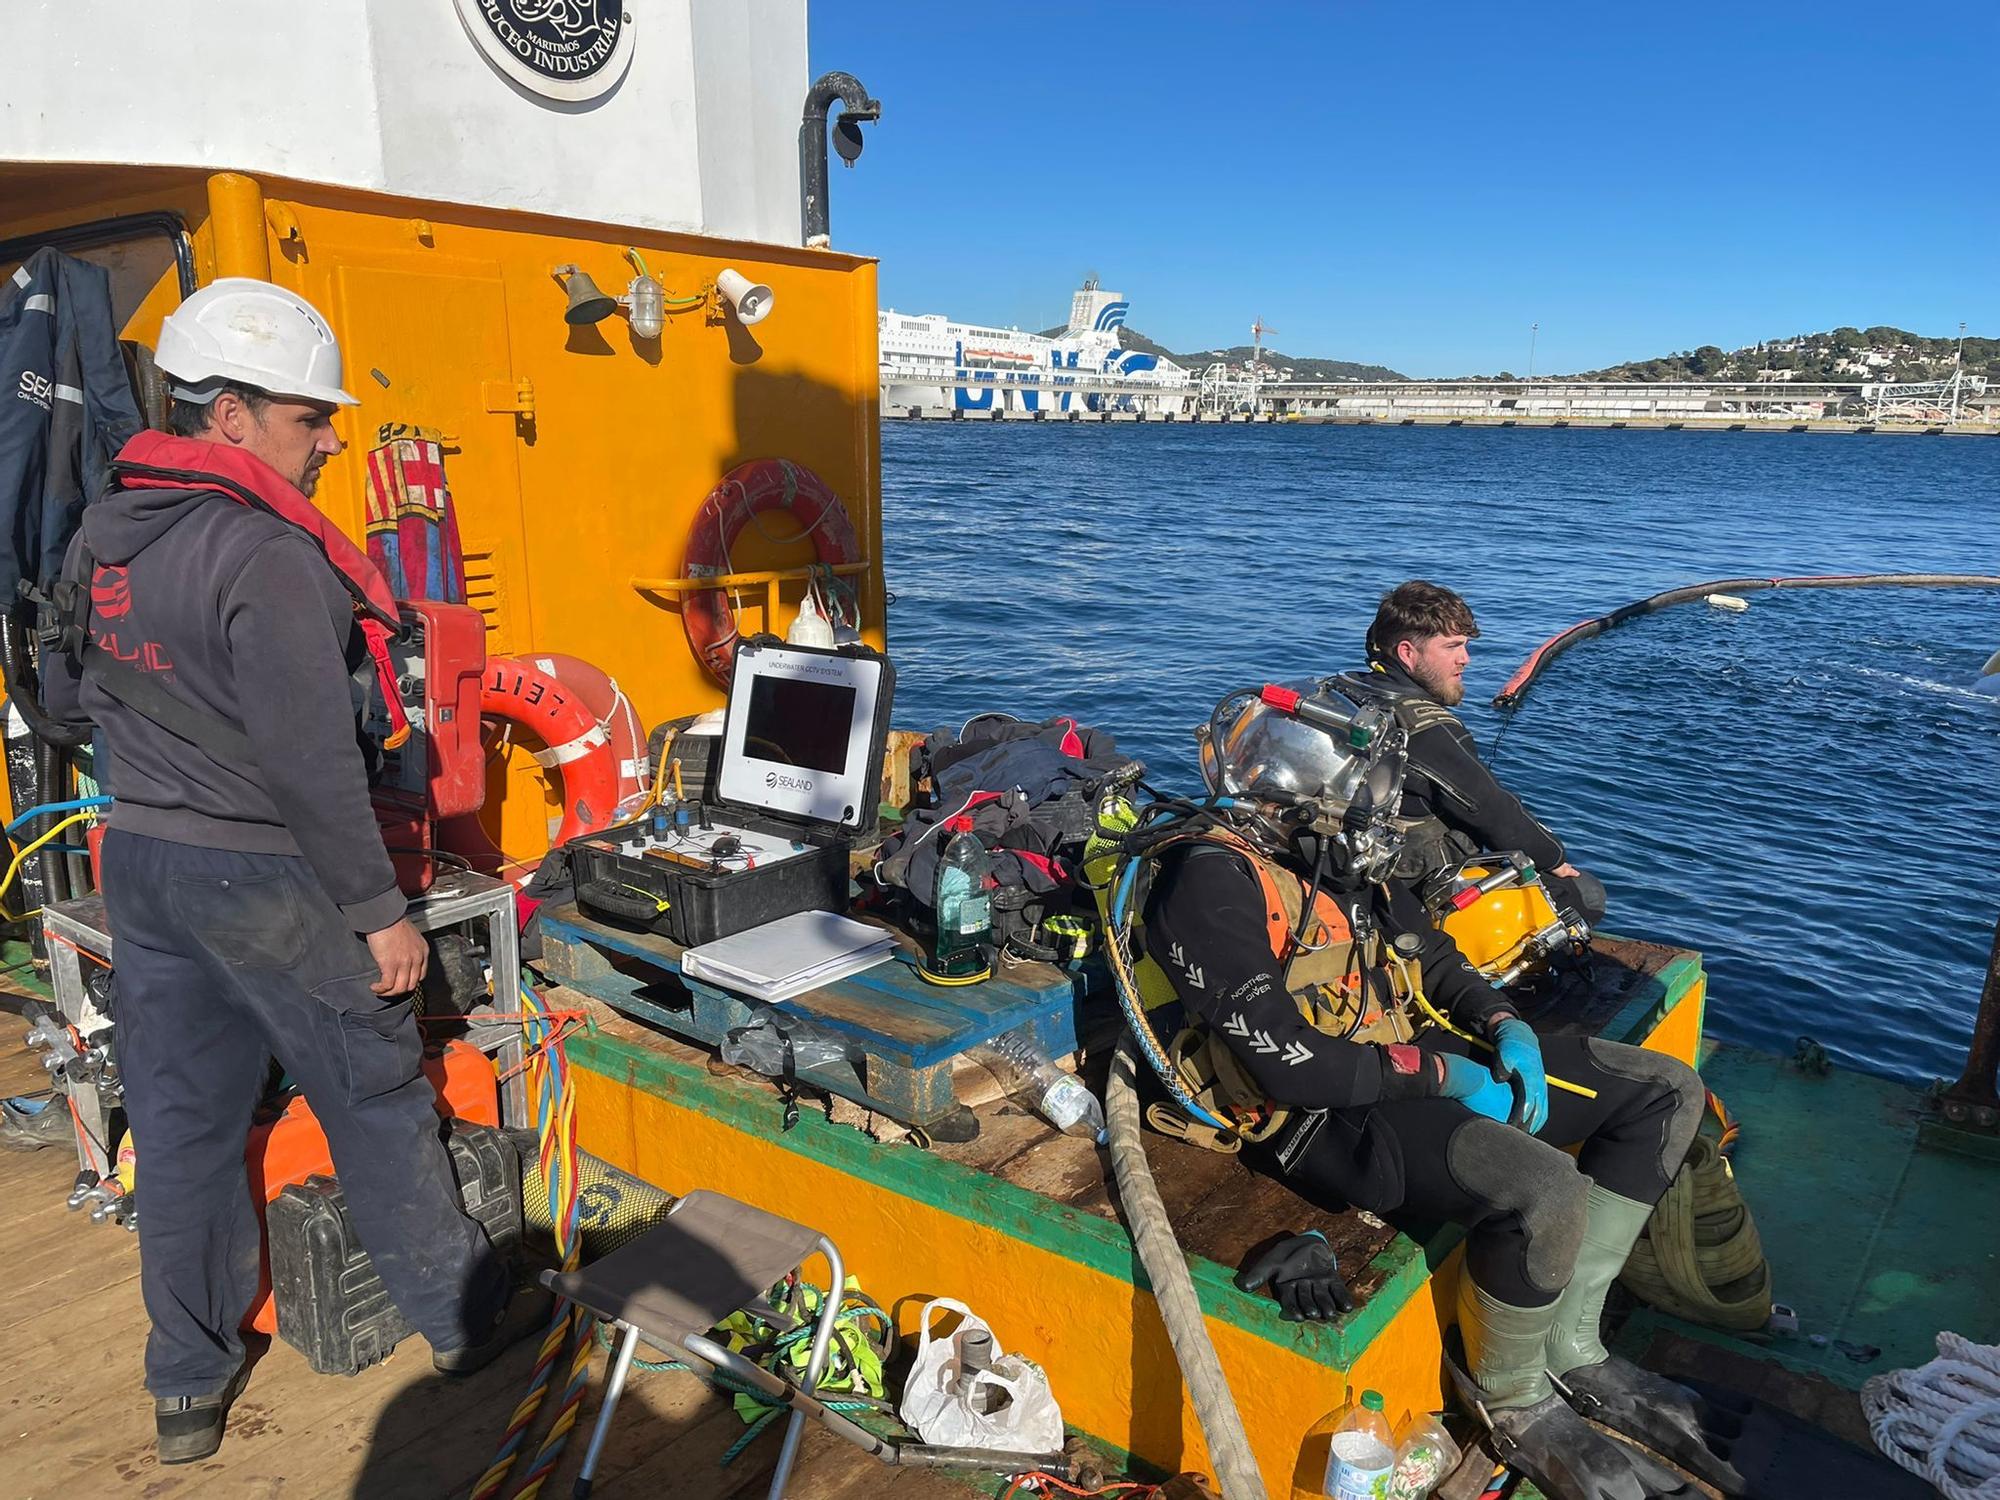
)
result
[(330, 1301), (691, 906)]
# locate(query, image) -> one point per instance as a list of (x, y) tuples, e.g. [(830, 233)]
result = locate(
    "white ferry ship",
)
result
[(932, 364)]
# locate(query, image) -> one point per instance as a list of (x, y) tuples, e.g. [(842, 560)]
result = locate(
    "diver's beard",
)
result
[(1448, 691)]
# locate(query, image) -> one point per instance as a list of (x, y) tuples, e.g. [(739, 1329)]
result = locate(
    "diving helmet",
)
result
[(1320, 759)]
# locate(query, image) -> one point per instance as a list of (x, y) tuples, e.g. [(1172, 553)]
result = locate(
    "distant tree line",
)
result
[(1878, 354)]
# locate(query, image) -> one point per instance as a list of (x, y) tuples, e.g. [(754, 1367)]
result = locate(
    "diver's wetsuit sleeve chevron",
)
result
[(1468, 797), (1205, 927)]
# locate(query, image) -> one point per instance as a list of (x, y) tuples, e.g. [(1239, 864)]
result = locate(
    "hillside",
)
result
[(1844, 354), (1277, 366)]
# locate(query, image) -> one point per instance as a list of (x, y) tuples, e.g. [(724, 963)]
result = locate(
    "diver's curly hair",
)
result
[(1414, 611)]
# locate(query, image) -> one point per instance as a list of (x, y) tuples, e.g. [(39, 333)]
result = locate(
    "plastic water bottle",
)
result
[(963, 909), (1363, 1453), (1425, 1455), (1058, 1097)]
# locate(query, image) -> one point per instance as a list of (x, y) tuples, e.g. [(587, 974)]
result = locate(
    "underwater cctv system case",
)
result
[(798, 777)]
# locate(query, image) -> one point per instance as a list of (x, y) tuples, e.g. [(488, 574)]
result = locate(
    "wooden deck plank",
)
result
[(76, 1419)]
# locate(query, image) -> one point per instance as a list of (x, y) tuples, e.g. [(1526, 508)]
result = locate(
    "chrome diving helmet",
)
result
[(1320, 759)]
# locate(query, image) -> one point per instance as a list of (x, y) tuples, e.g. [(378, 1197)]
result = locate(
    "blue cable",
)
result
[(55, 807)]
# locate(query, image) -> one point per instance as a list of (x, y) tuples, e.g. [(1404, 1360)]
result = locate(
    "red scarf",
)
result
[(160, 461)]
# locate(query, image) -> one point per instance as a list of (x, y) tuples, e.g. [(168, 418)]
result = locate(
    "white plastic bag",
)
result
[(1026, 1421)]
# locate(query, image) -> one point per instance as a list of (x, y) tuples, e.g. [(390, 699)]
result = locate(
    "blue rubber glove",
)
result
[(1520, 1060), (1473, 1085)]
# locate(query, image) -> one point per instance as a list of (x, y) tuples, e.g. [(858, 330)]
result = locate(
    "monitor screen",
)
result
[(799, 722), (800, 739)]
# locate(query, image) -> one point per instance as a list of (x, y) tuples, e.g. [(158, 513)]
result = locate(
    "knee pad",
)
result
[(1671, 1077), (1516, 1174)]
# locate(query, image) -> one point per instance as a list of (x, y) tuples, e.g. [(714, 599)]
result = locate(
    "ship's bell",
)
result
[(586, 303)]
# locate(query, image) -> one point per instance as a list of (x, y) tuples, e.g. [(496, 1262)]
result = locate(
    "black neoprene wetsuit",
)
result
[(1386, 1141), (1447, 781)]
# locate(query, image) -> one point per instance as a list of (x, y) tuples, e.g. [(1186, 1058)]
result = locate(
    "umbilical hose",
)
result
[(1173, 1288)]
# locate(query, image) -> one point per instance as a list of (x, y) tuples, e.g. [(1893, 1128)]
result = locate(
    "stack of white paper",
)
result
[(790, 956)]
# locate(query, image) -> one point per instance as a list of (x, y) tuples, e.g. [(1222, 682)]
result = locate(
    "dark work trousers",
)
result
[(225, 961), (1420, 1162), (1582, 893)]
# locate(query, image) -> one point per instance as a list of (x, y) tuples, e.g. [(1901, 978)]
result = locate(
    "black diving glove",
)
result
[(1302, 1275)]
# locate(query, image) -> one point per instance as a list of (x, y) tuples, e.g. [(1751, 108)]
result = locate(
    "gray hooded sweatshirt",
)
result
[(240, 614)]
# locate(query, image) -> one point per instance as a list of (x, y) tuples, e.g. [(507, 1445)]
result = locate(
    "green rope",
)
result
[(774, 1407)]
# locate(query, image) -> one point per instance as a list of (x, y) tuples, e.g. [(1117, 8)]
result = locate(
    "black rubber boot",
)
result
[(528, 1312), (189, 1428), (1666, 1416)]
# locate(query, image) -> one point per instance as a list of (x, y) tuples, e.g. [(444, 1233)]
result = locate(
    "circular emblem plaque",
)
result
[(560, 49)]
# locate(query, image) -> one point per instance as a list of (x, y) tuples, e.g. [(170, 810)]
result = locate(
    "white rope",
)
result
[(1942, 1421)]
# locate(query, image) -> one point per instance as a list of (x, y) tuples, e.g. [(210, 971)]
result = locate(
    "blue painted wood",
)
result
[(904, 1032)]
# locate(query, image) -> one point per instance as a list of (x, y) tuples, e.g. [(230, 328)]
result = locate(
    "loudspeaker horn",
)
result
[(751, 300)]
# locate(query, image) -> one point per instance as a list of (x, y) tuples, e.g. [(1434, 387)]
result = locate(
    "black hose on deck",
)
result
[(1516, 687)]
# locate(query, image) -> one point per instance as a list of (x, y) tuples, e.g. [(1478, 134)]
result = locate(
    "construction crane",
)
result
[(1257, 332)]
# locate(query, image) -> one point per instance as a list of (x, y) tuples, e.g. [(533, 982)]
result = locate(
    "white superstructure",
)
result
[(932, 363), (691, 128)]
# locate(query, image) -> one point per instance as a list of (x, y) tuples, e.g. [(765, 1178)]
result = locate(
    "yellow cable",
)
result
[(15, 868), (1485, 1046), (659, 774)]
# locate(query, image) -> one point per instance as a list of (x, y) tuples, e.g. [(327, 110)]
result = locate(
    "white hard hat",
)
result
[(256, 334)]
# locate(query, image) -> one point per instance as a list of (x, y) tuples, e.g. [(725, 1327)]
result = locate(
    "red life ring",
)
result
[(761, 485), (579, 751)]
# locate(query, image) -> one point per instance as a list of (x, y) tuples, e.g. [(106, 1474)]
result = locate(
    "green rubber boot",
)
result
[(1506, 1347), (1611, 1226), (1667, 1417), (1534, 1430)]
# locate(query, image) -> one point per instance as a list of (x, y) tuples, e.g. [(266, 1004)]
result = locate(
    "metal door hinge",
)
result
[(516, 396)]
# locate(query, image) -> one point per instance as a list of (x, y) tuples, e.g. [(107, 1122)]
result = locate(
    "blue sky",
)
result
[(1416, 184)]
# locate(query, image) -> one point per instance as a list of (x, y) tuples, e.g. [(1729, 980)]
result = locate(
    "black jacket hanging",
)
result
[(66, 407)]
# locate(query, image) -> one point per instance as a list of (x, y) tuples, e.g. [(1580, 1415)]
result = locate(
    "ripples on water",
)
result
[(1804, 791)]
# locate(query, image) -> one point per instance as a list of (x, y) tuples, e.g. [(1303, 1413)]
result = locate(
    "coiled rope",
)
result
[(1941, 1421)]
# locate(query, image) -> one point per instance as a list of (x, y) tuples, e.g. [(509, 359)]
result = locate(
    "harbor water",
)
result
[(1803, 791)]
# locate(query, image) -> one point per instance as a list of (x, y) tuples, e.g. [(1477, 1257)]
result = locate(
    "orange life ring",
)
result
[(607, 704), (578, 749), (763, 484)]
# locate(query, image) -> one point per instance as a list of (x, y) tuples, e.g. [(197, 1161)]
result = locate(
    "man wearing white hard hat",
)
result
[(253, 907)]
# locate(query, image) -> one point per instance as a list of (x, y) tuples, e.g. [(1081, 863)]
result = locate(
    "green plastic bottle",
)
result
[(963, 909)]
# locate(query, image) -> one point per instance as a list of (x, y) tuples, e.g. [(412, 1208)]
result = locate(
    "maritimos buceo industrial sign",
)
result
[(561, 49)]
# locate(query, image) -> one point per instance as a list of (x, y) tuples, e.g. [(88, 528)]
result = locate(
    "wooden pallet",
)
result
[(902, 1034)]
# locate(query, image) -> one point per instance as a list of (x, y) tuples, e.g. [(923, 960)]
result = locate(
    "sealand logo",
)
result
[(561, 49), (778, 781)]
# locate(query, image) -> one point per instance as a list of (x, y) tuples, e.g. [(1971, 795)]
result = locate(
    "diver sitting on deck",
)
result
[(1453, 806), (1367, 1064)]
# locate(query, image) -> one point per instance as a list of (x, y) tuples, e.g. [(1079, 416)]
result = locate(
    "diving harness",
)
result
[(1334, 959)]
